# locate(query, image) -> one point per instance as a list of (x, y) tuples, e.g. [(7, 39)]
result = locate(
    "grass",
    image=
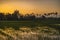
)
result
[(41, 23), (14, 29)]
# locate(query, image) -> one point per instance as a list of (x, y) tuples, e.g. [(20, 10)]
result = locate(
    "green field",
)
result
[(12, 30), (41, 23)]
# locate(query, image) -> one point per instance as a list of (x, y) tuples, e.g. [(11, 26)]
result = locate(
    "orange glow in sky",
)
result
[(29, 6)]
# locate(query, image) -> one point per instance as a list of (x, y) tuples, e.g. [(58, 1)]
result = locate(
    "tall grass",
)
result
[(30, 30), (26, 33)]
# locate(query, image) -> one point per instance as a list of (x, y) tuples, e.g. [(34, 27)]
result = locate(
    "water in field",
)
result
[(28, 33)]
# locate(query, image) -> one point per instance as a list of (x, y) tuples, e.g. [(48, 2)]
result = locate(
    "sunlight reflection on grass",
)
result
[(28, 33)]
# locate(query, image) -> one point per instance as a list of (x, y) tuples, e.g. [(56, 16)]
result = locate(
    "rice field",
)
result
[(29, 30), (25, 33)]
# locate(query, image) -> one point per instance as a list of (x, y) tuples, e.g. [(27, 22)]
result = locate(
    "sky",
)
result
[(30, 6)]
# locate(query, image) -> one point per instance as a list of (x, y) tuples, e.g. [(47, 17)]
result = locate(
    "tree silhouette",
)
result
[(1, 16), (20, 17), (43, 17), (15, 15), (56, 14), (45, 14), (8, 16)]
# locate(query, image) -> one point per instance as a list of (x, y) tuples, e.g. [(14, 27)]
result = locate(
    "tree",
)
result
[(8, 16), (43, 17), (45, 14), (15, 15), (56, 14), (1, 16)]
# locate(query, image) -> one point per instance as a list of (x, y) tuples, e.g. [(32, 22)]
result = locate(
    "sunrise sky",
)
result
[(29, 6)]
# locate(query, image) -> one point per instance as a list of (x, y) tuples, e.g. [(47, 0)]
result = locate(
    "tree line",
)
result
[(17, 16)]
